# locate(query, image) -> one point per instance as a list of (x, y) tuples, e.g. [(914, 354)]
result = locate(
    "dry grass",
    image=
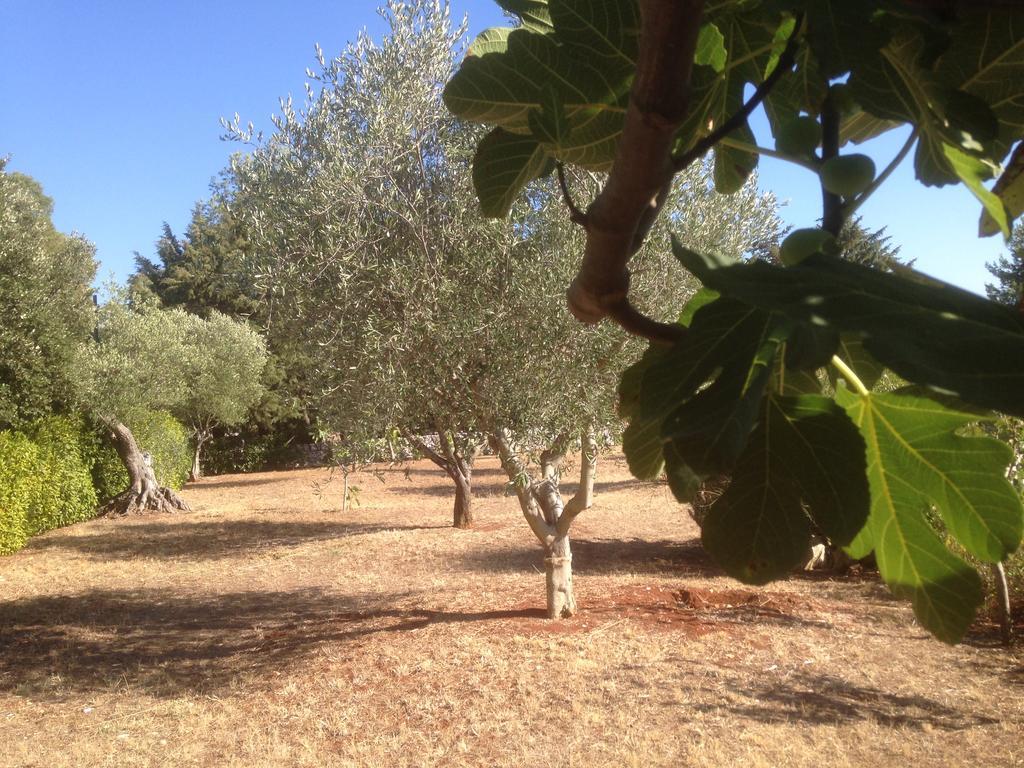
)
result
[(268, 629)]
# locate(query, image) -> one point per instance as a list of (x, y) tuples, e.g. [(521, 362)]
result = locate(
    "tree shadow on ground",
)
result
[(233, 481), (488, 472), (208, 540), (827, 700), (493, 482), (595, 556), (165, 642)]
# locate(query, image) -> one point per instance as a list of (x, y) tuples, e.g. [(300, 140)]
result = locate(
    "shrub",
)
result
[(21, 481), (157, 433), (67, 494), (44, 480), (250, 448)]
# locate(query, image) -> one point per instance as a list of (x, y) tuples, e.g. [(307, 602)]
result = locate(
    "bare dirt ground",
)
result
[(266, 628)]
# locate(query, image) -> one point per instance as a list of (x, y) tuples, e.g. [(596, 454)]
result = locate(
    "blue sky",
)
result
[(114, 106)]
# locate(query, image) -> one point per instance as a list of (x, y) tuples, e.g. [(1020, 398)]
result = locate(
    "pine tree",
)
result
[(1009, 271)]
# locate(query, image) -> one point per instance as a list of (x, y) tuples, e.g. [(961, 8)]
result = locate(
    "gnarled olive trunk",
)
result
[(457, 463), (144, 493), (561, 600), (550, 519), (551, 458)]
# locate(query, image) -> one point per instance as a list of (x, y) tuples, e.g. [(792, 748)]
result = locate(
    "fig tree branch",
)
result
[(787, 60), (629, 202)]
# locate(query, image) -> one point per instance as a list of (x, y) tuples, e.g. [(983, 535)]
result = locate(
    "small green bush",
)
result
[(68, 495), (21, 481), (251, 448), (157, 433)]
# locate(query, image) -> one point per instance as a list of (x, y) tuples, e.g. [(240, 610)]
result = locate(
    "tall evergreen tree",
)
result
[(1009, 272)]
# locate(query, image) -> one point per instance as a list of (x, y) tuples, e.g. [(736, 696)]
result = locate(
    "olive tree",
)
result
[(223, 369), (146, 358), (425, 317)]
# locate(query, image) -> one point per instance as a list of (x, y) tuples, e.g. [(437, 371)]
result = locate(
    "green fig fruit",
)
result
[(799, 137), (801, 243), (848, 175)]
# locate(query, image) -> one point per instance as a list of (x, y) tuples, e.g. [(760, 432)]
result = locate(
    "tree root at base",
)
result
[(162, 500)]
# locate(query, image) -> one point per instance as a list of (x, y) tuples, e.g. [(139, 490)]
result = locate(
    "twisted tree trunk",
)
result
[(144, 493), (457, 463), (550, 519), (462, 512)]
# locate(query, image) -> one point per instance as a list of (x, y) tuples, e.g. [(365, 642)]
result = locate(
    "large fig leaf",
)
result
[(928, 332), (986, 59), (505, 163), (749, 38), (1009, 188), (727, 338), (969, 99), (805, 457), (916, 461), (579, 55)]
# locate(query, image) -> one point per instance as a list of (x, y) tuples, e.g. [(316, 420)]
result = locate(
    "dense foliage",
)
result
[(643, 89), (45, 303), (205, 371), (45, 480), (212, 269), (67, 495), (20, 484), (423, 315)]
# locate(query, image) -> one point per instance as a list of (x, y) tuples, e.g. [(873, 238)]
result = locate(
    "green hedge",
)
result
[(62, 449), (157, 433), (45, 480), (21, 481)]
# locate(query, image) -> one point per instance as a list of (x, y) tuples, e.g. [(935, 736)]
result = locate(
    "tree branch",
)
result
[(658, 104), (423, 448), (637, 323), (519, 478), (785, 65), (831, 203), (575, 214)]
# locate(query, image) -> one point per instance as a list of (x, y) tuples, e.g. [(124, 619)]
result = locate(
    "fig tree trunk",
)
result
[(144, 493)]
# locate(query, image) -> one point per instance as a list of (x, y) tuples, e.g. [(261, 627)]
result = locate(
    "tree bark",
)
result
[(144, 493), (458, 465), (197, 470), (550, 521), (1003, 600), (588, 468), (462, 513), (551, 458), (561, 600)]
